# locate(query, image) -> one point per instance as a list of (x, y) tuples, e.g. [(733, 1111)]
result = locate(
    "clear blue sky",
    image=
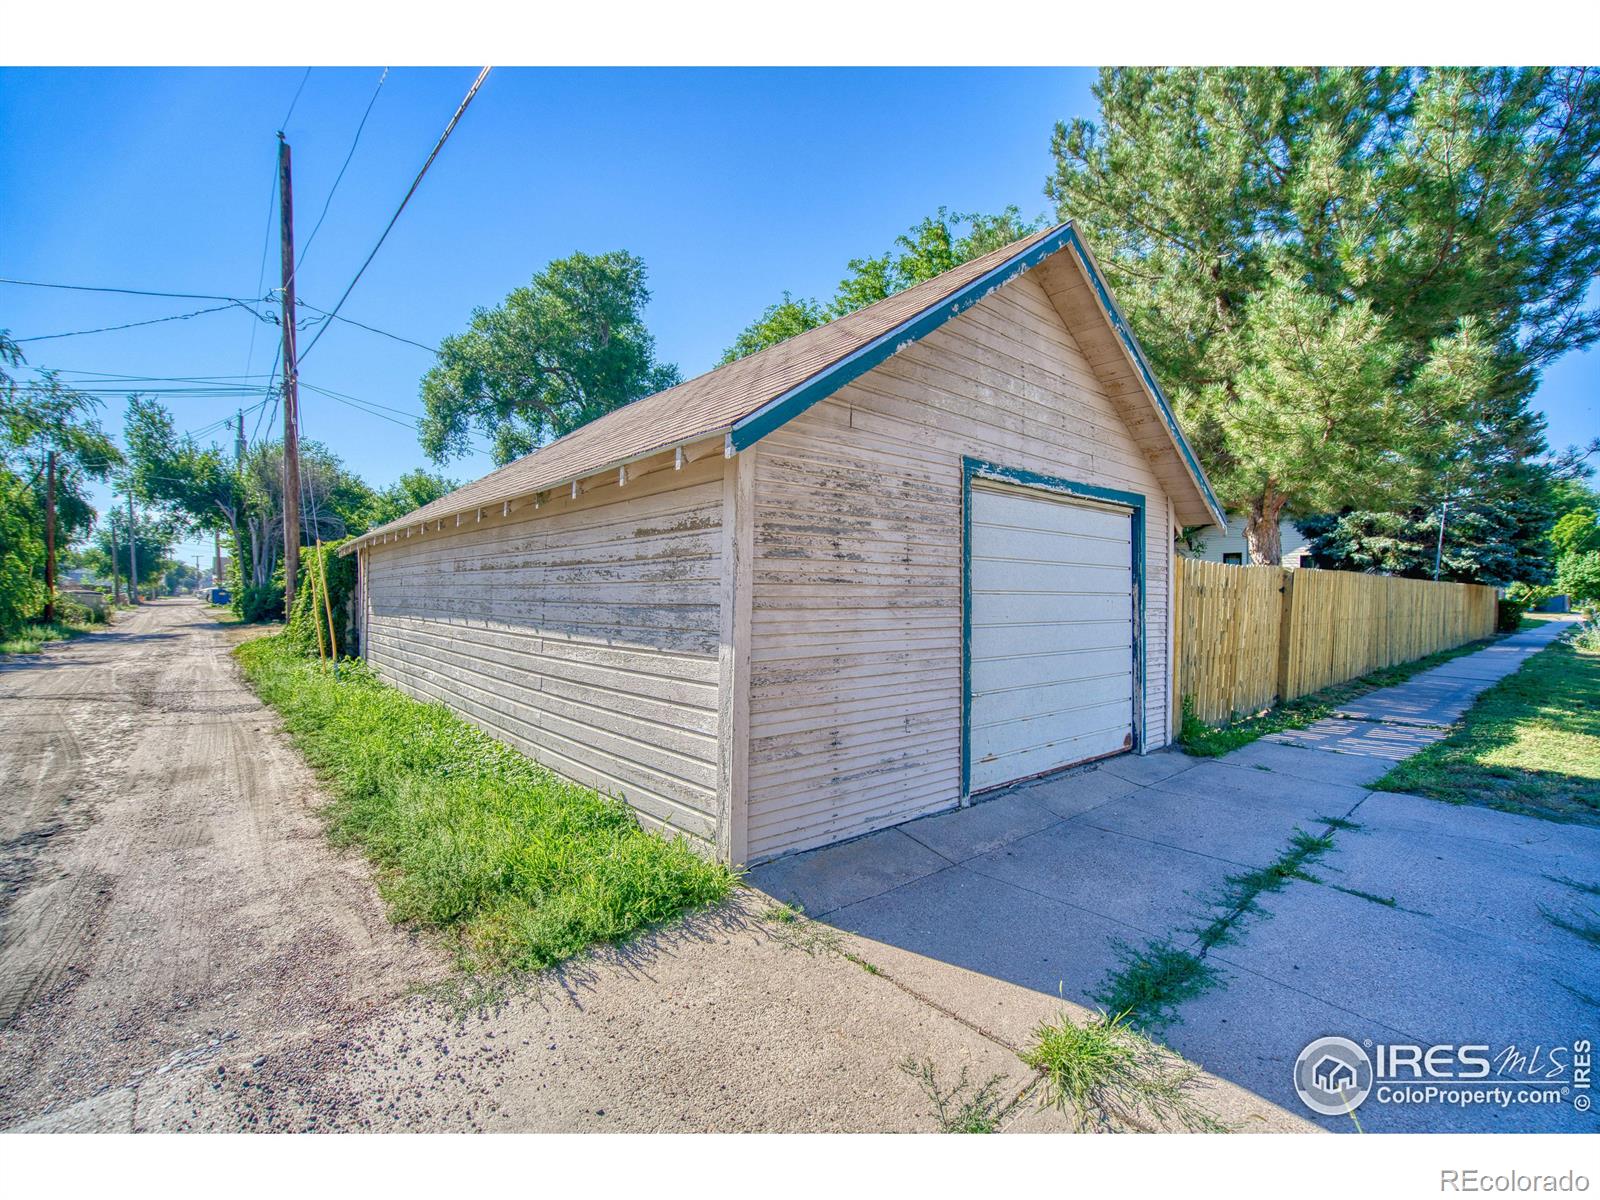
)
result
[(732, 186)]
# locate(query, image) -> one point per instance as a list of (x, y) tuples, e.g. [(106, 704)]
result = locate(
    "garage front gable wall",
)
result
[(857, 630)]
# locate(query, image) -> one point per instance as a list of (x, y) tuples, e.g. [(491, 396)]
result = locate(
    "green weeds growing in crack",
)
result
[(1153, 981), (1588, 930), (1241, 892), (1339, 823), (963, 1108), (1107, 1073), (1386, 901), (789, 924), (783, 914), (1577, 885)]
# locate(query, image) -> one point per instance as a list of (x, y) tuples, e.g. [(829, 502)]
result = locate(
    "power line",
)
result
[(46, 337), (121, 378), (284, 124), (369, 328), (76, 287), (415, 183), (354, 142)]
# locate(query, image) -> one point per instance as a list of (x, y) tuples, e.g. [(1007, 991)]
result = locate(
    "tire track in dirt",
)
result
[(168, 892)]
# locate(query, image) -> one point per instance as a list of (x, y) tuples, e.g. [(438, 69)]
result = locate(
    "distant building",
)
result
[(1228, 545)]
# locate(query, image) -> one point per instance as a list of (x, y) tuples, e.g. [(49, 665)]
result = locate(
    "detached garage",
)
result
[(901, 560)]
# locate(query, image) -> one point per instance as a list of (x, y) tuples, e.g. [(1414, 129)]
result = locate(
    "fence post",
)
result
[(1175, 690), (1286, 646)]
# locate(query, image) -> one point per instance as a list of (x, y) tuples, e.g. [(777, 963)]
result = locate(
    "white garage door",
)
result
[(1051, 629)]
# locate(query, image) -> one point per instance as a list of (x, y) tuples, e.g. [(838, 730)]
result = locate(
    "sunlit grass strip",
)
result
[(521, 867), (32, 637), (1530, 745)]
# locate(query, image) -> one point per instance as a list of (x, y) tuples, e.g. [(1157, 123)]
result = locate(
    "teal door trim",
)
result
[(974, 469)]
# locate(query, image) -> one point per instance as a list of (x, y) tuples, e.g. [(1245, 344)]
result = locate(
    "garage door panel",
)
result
[(1004, 642), (1019, 510), (1050, 648), (1060, 698), (1027, 670), (1047, 750), (1047, 611), (1046, 546), (1063, 578)]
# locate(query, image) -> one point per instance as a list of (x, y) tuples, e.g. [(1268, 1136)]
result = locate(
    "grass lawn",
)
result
[(520, 868), (35, 634), (1531, 744), (1210, 741)]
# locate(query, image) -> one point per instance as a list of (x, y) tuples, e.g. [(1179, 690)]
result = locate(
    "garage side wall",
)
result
[(855, 684), (585, 633)]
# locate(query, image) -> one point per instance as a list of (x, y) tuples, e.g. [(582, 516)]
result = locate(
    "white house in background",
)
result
[(1227, 545)]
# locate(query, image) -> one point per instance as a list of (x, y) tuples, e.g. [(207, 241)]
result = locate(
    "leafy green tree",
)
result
[(1576, 532), (202, 484), (406, 494), (37, 418), (21, 554), (209, 488), (1340, 272), (179, 577), (1578, 575), (777, 323), (931, 247), (154, 536), (569, 347)]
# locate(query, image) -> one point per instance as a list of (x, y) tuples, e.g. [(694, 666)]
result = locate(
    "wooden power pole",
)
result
[(133, 554), (291, 406), (50, 537)]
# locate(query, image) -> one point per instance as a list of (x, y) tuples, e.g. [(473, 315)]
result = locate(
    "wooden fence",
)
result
[(1249, 637)]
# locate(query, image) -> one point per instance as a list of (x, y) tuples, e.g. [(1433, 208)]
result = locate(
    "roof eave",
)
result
[(400, 524), (1147, 377)]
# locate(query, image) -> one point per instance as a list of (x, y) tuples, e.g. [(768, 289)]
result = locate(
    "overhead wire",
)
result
[(328, 203), (406, 199), (47, 337), (369, 328), (121, 291)]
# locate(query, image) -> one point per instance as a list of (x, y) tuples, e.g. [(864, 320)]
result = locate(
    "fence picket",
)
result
[(1249, 637)]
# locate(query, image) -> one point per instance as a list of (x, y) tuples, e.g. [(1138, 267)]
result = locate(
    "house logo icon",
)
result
[(1333, 1076)]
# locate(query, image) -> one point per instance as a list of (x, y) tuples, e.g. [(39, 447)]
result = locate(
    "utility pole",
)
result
[(216, 547), (238, 442), (1438, 550), (133, 555), (50, 537), (116, 572), (291, 404)]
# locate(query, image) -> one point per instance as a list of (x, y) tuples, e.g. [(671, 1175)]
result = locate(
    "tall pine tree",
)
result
[(1349, 278)]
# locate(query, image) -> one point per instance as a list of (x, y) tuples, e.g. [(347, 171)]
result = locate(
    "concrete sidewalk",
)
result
[(1426, 922)]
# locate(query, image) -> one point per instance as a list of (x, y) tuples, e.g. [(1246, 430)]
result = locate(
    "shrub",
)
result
[(260, 603), (71, 612), (1508, 615)]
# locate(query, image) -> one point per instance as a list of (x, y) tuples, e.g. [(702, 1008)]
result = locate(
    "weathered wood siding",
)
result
[(855, 700), (585, 633)]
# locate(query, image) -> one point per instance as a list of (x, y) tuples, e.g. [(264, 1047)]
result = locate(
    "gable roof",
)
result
[(747, 399)]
